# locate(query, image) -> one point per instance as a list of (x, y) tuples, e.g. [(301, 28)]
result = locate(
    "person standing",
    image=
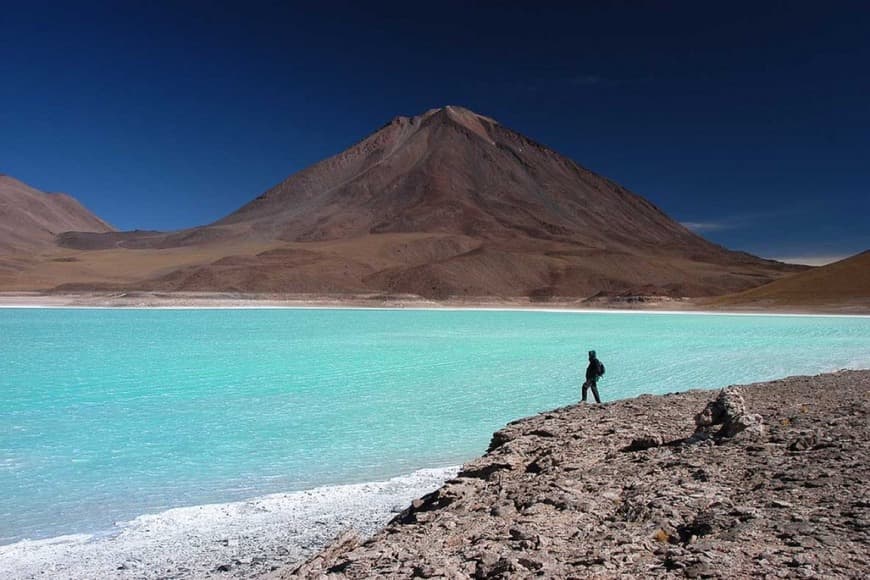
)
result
[(594, 371)]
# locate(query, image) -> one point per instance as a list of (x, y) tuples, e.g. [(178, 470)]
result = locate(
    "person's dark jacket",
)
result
[(595, 370)]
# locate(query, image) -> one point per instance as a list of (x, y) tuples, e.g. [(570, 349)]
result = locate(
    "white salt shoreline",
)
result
[(444, 309), (234, 305), (243, 539)]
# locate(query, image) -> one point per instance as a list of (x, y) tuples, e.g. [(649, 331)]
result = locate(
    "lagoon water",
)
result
[(106, 414)]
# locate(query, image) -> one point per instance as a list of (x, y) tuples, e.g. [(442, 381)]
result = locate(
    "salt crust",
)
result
[(238, 539)]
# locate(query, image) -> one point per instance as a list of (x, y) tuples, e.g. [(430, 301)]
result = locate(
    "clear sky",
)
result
[(748, 121)]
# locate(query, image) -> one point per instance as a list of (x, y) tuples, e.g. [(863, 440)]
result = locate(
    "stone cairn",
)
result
[(728, 414)]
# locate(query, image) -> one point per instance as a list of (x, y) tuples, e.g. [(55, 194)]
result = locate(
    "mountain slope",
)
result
[(31, 219)]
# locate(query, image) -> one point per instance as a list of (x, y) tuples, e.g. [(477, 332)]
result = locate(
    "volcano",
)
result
[(445, 204), (452, 171)]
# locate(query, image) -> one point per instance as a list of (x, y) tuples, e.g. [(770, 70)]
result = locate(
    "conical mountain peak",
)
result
[(449, 113), (456, 112), (451, 170), (466, 118)]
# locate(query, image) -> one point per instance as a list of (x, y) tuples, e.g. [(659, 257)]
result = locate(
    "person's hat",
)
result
[(591, 353)]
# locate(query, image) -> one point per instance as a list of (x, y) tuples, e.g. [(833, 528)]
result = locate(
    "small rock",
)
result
[(520, 534), (699, 570), (647, 441), (500, 566), (803, 442), (427, 571), (503, 510), (530, 563)]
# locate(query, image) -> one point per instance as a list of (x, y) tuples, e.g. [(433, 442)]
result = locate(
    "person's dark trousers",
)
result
[(586, 386)]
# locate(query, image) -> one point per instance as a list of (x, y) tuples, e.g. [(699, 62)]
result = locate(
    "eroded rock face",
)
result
[(629, 489)]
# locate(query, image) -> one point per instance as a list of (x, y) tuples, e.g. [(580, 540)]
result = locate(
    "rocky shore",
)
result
[(766, 480)]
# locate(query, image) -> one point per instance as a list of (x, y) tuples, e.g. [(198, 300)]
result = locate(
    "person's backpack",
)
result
[(600, 369)]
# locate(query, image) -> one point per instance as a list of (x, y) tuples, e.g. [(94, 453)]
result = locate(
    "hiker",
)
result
[(594, 371)]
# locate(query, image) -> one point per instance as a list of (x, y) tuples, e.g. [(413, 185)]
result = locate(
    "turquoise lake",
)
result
[(106, 414)]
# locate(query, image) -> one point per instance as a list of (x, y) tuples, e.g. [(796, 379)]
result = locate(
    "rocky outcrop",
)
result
[(769, 481)]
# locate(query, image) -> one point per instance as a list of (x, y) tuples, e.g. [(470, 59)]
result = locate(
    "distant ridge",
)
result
[(446, 204), (30, 218), (842, 283)]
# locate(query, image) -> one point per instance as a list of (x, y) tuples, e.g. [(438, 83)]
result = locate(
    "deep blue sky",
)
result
[(749, 120)]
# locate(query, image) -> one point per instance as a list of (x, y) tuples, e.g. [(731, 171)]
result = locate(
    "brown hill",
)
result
[(445, 204), (31, 219), (843, 284)]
